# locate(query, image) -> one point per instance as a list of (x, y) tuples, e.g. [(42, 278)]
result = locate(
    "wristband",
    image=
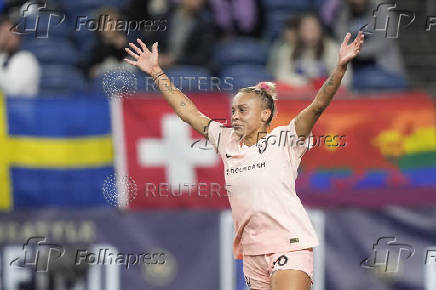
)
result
[(156, 77)]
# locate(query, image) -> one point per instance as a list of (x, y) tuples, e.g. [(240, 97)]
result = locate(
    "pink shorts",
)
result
[(258, 269)]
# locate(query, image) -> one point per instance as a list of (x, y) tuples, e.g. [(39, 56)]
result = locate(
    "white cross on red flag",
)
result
[(172, 164)]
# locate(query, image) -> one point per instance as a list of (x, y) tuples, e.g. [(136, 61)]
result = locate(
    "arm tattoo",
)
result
[(185, 102), (329, 88), (167, 87)]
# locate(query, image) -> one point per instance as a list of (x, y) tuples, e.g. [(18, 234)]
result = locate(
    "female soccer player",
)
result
[(274, 235)]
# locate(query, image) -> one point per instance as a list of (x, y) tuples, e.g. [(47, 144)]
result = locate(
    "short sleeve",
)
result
[(297, 147), (215, 133)]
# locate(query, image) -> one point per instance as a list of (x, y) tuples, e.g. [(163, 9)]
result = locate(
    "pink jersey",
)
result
[(267, 213)]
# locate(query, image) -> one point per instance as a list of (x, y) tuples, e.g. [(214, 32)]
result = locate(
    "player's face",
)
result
[(246, 114)]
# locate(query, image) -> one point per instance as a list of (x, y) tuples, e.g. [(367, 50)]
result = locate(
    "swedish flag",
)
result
[(54, 152)]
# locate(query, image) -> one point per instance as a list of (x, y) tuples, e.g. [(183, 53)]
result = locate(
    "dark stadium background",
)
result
[(82, 135)]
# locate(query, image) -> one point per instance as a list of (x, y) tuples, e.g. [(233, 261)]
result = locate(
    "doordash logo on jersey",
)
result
[(237, 170)]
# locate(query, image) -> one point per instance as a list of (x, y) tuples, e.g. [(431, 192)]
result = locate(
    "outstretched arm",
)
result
[(147, 62), (307, 118)]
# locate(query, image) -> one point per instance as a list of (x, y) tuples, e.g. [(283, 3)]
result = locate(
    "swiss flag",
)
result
[(172, 164)]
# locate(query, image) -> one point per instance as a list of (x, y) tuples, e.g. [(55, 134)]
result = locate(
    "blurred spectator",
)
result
[(146, 10), (108, 52), (304, 56), (19, 70), (378, 50), (189, 37), (328, 11), (288, 39), (238, 17)]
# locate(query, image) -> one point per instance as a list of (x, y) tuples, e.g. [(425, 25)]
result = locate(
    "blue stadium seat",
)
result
[(81, 5), (85, 42), (61, 79), (87, 17), (245, 75), (319, 4), (51, 51), (372, 78), (241, 51), (289, 5), (83, 38), (275, 22), (189, 78)]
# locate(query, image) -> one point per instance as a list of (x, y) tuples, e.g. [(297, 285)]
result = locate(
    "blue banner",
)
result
[(393, 248), (104, 249)]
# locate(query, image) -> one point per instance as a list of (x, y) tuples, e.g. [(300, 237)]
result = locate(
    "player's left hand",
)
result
[(349, 51)]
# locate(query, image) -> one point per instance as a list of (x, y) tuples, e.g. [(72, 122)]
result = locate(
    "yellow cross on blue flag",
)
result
[(55, 152)]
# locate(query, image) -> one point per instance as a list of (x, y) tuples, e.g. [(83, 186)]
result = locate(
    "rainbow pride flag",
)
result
[(384, 152)]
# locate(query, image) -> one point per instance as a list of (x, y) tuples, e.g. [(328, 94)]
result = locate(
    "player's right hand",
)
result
[(145, 60)]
